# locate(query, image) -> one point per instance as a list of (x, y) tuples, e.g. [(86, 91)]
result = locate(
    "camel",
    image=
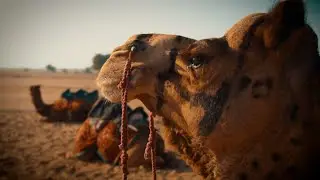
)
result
[(99, 136), (242, 106), (70, 110)]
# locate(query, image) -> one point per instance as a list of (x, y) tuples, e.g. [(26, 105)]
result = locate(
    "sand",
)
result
[(33, 149)]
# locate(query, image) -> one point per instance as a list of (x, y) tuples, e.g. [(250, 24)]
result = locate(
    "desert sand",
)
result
[(33, 149)]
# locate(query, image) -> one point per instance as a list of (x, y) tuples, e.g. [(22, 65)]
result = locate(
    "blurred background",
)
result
[(68, 33), (62, 44)]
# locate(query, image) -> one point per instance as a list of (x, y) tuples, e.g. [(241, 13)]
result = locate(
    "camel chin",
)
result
[(111, 95)]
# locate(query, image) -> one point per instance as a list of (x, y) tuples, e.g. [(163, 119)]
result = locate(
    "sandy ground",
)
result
[(33, 149)]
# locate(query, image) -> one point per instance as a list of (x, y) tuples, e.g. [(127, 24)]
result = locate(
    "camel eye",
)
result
[(195, 62)]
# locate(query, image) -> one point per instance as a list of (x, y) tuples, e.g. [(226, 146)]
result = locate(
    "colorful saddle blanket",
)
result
[(102, 113), (89, 97)]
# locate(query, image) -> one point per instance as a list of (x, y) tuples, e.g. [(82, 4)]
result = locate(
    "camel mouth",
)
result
[(110, 94), (109, 88), (109, 85)]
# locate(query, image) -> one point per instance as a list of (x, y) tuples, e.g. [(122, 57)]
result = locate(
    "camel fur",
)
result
[(241, 106)]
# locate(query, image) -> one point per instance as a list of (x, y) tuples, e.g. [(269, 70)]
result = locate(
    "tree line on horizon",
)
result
[(97, 62)]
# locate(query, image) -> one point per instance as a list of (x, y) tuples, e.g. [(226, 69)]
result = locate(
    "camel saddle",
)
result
[(88, 97), (109, 141)]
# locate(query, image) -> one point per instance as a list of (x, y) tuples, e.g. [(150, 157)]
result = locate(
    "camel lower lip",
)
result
[(112, 94)]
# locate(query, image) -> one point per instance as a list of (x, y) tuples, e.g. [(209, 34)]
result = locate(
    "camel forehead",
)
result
[(155, 38)]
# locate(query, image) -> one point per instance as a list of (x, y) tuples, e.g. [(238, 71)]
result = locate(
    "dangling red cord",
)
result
[(150, 147), (123, 85), (124, 122)]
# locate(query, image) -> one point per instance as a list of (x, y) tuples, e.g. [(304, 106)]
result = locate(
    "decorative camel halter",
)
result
[(150, 148)]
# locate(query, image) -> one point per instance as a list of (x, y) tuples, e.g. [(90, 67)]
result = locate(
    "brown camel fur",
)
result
[(243, 106), (90, 141), (61, 109)]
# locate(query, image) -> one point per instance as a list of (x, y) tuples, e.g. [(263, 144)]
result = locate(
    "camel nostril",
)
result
[(133, 49)]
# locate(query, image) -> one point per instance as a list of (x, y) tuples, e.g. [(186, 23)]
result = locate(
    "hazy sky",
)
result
[(67, 33)]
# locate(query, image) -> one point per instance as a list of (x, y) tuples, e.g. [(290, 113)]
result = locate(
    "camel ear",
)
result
[(284, 18)]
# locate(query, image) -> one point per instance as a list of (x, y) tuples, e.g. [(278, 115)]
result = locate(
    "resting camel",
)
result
[(74, 110), (242, 106), (99, 136)]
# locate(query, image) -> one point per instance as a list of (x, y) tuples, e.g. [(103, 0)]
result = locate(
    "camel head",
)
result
[(35, 88), (241, 93), (154, 56)]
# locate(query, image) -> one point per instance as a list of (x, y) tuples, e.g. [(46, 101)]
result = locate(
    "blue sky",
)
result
[(67, 33)]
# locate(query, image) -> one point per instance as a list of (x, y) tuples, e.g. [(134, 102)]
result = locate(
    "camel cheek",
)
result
[(193, 118)]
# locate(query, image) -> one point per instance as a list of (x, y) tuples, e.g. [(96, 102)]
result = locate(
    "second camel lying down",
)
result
[(99, 136)]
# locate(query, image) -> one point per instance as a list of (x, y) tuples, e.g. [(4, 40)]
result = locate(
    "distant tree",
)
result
[(88, 70), (98, 60), (51, 68)]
